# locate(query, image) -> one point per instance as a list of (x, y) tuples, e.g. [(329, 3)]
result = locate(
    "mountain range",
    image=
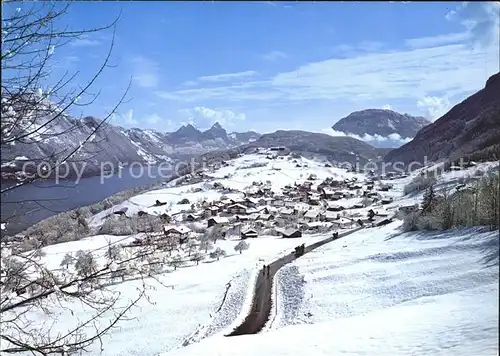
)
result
[(471, 127), (109, 143)]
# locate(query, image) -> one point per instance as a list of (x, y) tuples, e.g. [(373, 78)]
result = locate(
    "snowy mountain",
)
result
[(379, 122), (61, 137), (471, 127)]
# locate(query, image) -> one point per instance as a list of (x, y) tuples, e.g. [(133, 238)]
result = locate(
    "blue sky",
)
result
[(267, 66)]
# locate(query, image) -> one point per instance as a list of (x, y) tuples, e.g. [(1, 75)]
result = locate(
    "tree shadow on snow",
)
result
[(491, 252)]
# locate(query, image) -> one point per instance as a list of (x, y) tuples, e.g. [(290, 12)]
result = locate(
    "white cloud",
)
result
[(128, 118), (227, 76), (435, 107), (410, 74), (387, 107), (371, 139), (200, 115), (274, 56), (146, 72), (440, 40)]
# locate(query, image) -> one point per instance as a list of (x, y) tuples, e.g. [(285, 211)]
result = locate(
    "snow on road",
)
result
[(379, 291), (183, 304)]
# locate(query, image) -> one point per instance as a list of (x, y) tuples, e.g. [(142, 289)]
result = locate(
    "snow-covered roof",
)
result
[(181, 229)]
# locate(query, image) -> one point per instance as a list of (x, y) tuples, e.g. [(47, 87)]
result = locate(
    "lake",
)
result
[(37, 201)]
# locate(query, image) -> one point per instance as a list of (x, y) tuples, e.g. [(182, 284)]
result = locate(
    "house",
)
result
[(407, 209), (249, 233), (236, 209), (330, 216), (191, 217), (286, 211), (343, 223), (386, 201), (265, 217), (291, 233), (331, 206), (313, 200), (217, 220), (211, 211), (251, 202), (312, 215), (278, 201), (176, 231)]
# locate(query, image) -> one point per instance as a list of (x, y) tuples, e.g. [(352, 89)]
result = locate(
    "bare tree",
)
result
[(206, 245), (241, 246), (176, 261), (67, 260), (191, 246), (197, 257), (34, 102), (217, 253)]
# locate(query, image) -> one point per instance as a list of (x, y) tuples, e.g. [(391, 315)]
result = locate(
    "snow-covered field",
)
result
[(377, 291), (382, 292), (184, 302)]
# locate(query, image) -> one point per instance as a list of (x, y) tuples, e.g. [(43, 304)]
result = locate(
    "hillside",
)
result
[(380, 122), (110, 143), (469, 127), (337, 149)]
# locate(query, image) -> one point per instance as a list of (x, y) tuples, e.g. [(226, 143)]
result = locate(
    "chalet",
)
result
[(165, 217), (306, 186), (330, 216), (286, 211), (291, 233), (242, 217), (314, 200), (343, 223), (251, 202), (331, 206), (312, 215), (384, 188), (249, 233), (265, 217), (191, 217), (176, 231), (236, 209), (328, 193), (211, 211), (278, 201), (386, 201), (217, 220), (121, 211), (407, 209), (259, 210), (289, 203)]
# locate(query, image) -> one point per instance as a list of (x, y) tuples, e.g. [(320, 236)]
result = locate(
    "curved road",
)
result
[(262, 301)]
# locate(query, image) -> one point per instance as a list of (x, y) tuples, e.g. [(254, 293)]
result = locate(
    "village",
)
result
[(310, 205)]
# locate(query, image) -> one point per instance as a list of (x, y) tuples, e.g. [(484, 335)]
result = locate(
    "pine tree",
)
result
[(428, 200)]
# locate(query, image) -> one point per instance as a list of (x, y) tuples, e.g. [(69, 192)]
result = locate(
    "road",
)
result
[(262, 302)]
